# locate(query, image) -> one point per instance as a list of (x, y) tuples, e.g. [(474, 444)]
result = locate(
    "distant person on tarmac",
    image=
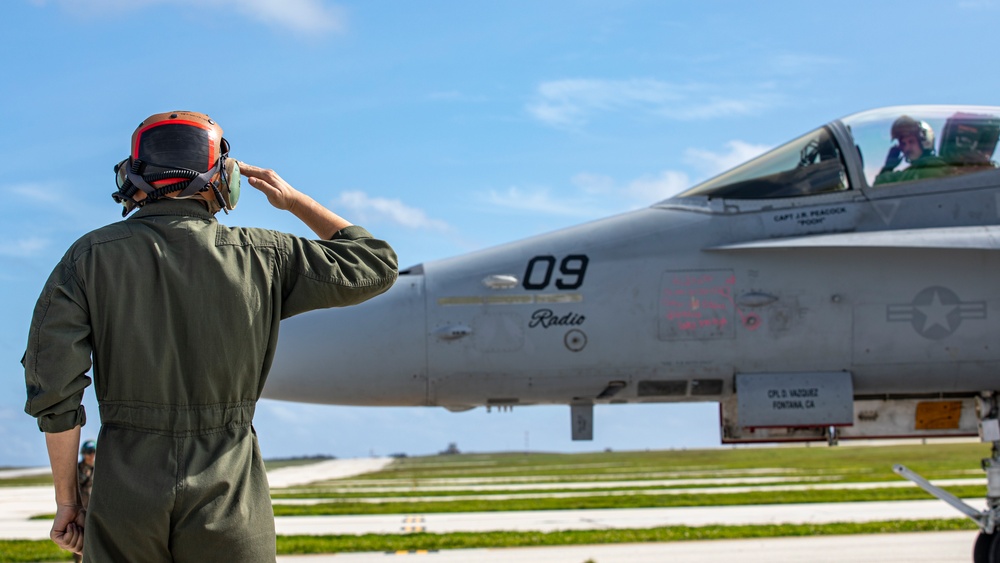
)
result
[(85, 478), (178, 315)]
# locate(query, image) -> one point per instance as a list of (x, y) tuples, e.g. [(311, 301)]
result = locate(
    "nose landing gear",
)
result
[(987, 546)]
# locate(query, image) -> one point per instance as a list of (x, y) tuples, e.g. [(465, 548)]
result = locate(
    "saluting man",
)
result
[(178, 315)]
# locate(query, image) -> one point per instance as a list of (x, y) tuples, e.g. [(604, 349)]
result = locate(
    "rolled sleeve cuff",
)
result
[(353, 232), (55, 423)]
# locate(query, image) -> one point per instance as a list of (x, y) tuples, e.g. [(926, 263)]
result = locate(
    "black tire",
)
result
[(982, 551)]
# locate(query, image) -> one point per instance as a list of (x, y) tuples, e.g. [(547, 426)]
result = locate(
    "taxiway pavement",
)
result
[(928, 547), (18, 504)]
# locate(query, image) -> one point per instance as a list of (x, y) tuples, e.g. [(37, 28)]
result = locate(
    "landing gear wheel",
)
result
[(985, 548)]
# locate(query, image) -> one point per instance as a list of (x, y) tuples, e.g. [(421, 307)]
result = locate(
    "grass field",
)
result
[(26, 481)]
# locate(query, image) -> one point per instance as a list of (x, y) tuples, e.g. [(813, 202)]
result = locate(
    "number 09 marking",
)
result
[(539, 272)]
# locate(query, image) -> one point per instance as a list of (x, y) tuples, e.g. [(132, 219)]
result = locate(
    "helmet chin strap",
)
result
[(200, 183), (218, 187)]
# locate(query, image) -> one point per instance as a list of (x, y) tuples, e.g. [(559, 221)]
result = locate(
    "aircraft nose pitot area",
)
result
[(315, 364)]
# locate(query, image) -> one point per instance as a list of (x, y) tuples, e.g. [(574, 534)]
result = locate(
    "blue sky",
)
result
[(443, 127)]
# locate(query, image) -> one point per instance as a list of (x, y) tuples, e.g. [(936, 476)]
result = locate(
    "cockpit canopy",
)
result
[(955, 140)]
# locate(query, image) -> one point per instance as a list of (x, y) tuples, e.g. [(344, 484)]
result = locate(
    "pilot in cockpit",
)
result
[(914, 140)]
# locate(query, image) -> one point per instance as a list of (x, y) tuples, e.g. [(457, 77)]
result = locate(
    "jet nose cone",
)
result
[(372, 354)]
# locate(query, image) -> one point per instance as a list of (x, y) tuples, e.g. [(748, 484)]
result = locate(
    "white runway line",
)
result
[(18, 504), (624, 518), (720, 490)]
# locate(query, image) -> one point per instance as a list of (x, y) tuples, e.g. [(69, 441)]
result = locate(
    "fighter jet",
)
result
[(841, 286)]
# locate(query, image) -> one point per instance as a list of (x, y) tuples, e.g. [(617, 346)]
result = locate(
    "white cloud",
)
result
[(797, 63), (306, 16), (455, 96), (392, 210), (23, 247), (42, 193), (712, 107), (976, 4), (539, 200), (598, 195), (655, 188), (712, 163), (79, 210), (303, 15), (644, 190), (572, 102), (594, 183)]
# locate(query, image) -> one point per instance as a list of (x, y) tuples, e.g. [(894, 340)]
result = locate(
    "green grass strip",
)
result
[(30, 550), (17, 551), (933, 460), (622, 501), (288, 545), (32, 481), (721, 488)]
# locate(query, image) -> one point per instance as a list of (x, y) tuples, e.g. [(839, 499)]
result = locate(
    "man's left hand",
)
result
[(67, 528)]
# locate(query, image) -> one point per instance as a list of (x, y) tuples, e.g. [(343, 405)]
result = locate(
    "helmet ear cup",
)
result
[(231, 179), (120, 175), (226, 185)]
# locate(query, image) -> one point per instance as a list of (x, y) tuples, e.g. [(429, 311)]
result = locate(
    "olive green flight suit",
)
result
[(179, 315), (921, 169)]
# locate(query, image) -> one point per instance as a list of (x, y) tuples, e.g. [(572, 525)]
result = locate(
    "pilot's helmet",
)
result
[(178, 154), (906, 125), (88, 447)]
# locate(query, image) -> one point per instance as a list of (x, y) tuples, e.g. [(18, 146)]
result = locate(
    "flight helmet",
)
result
[(178, 155), (906, 125)]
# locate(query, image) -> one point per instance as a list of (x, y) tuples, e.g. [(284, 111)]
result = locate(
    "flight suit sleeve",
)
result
[(58, 354), (350, 268)]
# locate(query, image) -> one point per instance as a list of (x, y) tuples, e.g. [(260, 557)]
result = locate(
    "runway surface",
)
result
[(18, 504), (931, 547)]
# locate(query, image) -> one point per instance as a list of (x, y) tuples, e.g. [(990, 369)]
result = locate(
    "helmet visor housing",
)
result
[(178, 154), (180, 140)]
